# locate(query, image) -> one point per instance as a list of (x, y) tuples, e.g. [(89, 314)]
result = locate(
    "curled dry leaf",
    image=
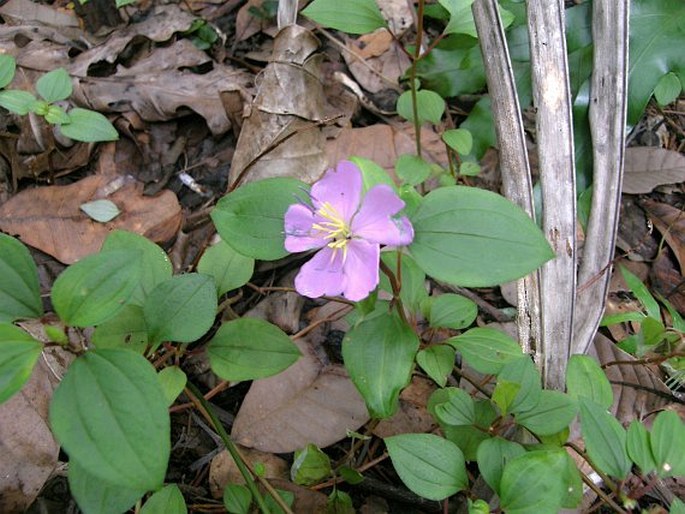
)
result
[(313, 401), (671, 223), (376, 62), (647, 167), (49, 218)]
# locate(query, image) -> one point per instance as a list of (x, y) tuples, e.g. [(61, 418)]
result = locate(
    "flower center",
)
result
[(335, 228)]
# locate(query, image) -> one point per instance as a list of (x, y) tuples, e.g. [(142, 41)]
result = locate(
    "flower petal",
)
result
[(322, 275), (375, 222), (341, 188), (360, 269), (299, 235)]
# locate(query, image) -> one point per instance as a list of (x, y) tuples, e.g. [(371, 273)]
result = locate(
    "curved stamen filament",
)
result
[(335, 228)]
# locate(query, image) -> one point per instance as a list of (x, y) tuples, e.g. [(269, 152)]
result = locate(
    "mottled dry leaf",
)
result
[(383, 61), (306, 500), (671, 223), (28, 452), (312, 401), (247, 25), (161, 86), (49, 218), (223, 470), (25, 12), (648, 167), (282, 137), (412, 416)]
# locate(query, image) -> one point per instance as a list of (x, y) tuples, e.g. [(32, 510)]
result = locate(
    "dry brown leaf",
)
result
[(306, 500), (647, 167), (380, 71), (25, 12), (282, 136), (50, 219), (160, 87), (398, 13), (223, 470), (247, 25), (413, 417), (312, 401), (671, 223)]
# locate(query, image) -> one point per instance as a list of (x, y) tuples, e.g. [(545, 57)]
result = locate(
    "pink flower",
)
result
[(349, 232)]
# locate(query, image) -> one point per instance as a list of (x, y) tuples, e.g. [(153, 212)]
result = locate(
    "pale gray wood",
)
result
[(607, 124), (552, 100), (513, 156), (287, 13)]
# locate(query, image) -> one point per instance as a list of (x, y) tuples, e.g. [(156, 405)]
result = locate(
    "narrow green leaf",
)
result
[(437, 361), (88, 126), (19, 353), (585, 378), (8, 67), (126, 329), (310, 466), (182, 309), (249, 348), (452, 311), (605, 439), (97, 496), (472, 237), (127, 443), (165, 501), (172, 380), (485, 349), (237, 499), (229, 268), (668, 444), (553, 413), (101, 210), (96, 288), (19, 287), (379, 355), (493, 456), (352, 16), (641, 293), (428, 465), (54, 86), (460, 140), (250, 219), (430, 106), (17, 101), (639, 448)]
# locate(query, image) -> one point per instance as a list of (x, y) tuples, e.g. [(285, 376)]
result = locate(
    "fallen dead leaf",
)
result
[(25, 11), (312, 401), (223, 470), (49, 218), (646, 167), (671, 223), (373, 69), (246, 24), (413, 417), (306, 500)]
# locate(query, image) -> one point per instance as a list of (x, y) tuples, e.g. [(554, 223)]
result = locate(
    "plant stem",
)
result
[(395, 286), (412, 76)]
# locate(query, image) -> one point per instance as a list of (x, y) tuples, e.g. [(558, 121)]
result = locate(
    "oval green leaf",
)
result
[(110, 415), (351, 16), (310, 466), (17, 101), (88, 126), (428, 465), (486, 350), (96, 288), (166, 501), (639, 448), (585, 378), (668, 89), (229, 268), (18, 355), (493, 455), (553, 412), (429, 104), (453, 406), (412, 169), (379, 356), (250, 348), (181, 309), (8, 66), (437, 362), (19, 287), (96, 496), (250, 219), (605, 439), (172, 380), (54, 86), (668, 444), (127, 329), (237, 499), (523, 372), (460, 140), (101, 210), (475, 238), (452, 311)]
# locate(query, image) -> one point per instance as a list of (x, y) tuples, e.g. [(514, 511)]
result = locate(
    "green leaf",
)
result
[(641, 293), (485, 349), (475, 238), (504, 395), (437, 361), (379, 356), (493, 456), (668, 89), (127, 329), (181, 309), (54, 86), (237, 499), (452, 311), (8, 67), (430, 106), (638, 447), (339, 502), (372, 173), (287, 496), (19, 287), (310, 466), (229, 268), (605, 439), (88, 126), (453, 406), (677, 506), (413, 290), (480, 123), (657, 36), (469, 168), (97, 496), (468, 437), (96, 288), (155, 264), (461, 17), (460, 140), (172, 380), (127, 443), (428, 465), (19, 353), (249, 348), (56, 115), (553, 413), (165, 501), (585, 378), (522, 371), (17, 101), (412, 169), (668, 444), (101, 210), (250, 219), (350, 475), (533, 483), (352, 16)]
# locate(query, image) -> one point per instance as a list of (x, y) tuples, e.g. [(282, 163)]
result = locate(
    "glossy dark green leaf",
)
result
[(481, 125), (585, 378), (553, 412), (110, 415), (19, 287), (249, 348), (605, 439), (19, 353), (486, 350)]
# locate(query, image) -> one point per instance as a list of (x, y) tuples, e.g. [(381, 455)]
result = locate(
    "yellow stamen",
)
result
[(335, 228)]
